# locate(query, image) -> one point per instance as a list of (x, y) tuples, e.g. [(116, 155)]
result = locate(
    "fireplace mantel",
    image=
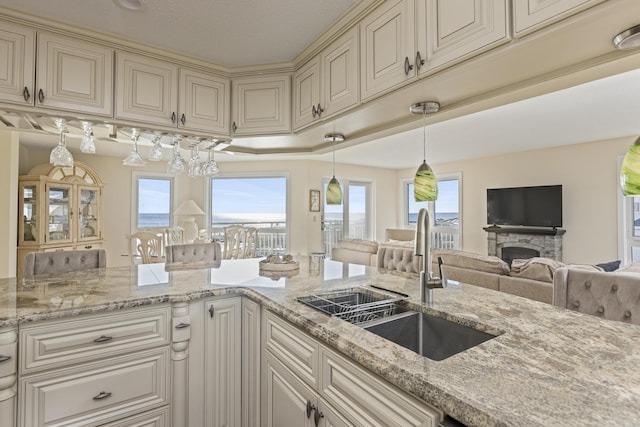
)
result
[(546, 241)]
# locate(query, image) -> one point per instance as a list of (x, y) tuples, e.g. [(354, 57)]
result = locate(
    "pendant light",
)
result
[(630, 171), (334, 189), (425, 184)]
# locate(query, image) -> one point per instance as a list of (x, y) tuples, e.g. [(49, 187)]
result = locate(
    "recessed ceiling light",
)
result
[(129, 4), (628, 39)]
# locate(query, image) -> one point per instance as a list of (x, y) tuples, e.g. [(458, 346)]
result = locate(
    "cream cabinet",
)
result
[(17, 63), (66, 74), (153, 91), (387, 48), (8, 375), (451, 31), (529, 15), (261, 105), (251, 349), (60, 209), (299, 372), (329, 83), (95, 369)]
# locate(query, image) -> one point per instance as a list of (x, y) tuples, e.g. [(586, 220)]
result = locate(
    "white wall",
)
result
[(588, 173)]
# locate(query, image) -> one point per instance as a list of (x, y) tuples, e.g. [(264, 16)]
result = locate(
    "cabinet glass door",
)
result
[(29, 226), (88, 204), (59, 211)]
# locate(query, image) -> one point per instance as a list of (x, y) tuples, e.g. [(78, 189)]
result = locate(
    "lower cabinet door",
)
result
[(156, 418), (96, 393), (285, 398), (329, 417)]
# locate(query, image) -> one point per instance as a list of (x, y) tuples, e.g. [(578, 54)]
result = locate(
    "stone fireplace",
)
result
[(509, 243)]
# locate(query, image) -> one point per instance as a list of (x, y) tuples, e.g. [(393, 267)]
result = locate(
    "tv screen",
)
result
[(527, 206)]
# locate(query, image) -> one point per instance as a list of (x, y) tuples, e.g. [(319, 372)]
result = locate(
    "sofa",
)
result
[(365, 252)]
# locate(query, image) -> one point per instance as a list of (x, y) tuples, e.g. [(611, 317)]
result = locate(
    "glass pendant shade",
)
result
[(60, 155), (425, 184), (630, 171), (334, 192)]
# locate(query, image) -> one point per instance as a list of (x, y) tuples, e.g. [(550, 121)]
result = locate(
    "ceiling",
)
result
[(242, 32)]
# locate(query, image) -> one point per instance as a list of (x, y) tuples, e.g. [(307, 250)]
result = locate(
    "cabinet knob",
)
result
[(419, 61), (26, 94), (173, 117), (310, 408), (102, 395), (183, 119), (40, 96), (234, 127), (317, 416), (407, 66), (211, 311), (4, 358)]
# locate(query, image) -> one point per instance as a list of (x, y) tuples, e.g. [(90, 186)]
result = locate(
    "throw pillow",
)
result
[(610, 266), (538, 268)]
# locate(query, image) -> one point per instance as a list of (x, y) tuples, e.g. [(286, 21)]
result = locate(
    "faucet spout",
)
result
[(422, 249)]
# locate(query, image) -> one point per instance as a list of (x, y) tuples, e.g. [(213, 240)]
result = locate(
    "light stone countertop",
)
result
[(549, 366)]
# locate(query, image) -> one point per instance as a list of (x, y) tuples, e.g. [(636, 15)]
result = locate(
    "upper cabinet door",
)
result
[(340, 84), (204, 102), (529, 15), (306, 94), (146, 89), (74, 75), (453, 30), (17, 55), (387, 39), (261, 105)]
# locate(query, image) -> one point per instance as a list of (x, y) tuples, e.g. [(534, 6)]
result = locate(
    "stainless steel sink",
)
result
[(427, 335)]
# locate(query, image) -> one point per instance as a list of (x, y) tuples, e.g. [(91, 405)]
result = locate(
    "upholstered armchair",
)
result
[(63, 262), (193, 252)]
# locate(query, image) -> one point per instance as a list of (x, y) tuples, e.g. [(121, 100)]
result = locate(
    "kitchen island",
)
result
[(548, 366)]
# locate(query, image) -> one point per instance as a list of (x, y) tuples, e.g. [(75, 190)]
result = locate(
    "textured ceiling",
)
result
[(227, 32)]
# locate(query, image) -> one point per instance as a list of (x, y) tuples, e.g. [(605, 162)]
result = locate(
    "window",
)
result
[(352, 219), (445, 213), (152, 201), (255, 201)]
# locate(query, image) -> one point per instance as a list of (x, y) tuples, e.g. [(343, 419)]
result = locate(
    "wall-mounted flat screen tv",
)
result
[(525, 206)]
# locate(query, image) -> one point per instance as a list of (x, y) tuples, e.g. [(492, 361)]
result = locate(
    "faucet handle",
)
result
[(443, 276)]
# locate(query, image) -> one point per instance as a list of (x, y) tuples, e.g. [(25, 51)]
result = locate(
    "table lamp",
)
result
[(189, 209)]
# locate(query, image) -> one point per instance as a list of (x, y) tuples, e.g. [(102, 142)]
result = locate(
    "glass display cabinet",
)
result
[(60, 209)]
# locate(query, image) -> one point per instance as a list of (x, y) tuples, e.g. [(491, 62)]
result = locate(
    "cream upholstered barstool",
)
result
[(63, 262)]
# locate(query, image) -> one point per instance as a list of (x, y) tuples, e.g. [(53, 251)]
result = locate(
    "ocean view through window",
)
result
[(154, 202), (259, 202)]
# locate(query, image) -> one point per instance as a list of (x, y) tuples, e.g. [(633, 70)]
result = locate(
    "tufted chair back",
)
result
[(397, 258), (194, 252), (609, 295), (63, 262)]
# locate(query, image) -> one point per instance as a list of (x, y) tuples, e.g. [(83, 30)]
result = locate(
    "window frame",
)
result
[(626, 239), (369, 185), (136, 177), (249, 175)]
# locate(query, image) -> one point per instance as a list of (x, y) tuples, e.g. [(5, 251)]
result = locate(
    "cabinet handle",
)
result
[(310, 408), (211, 311), (103, 338), (313, 111), (319, 110), (26, 94), (102, 395), (407, 66), (88, 246), (419, 61), (173, 117), (4, 358), (183, 325), (317, 416), (41, 96), (183, 119), (234, 127)]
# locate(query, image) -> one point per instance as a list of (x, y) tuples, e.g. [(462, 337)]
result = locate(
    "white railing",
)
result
[(272, 236)]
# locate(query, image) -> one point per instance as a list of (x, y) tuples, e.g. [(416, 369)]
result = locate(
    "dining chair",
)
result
[(63, 261), (233, 237), (173, 236), (193, 252), (148, 245)]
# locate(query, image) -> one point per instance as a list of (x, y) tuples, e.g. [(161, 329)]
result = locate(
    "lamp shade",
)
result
[(189, 208), (630, 171), (425, 184), (334, 192)]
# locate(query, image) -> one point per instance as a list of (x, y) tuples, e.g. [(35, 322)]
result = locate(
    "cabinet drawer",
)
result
[(96, 393), (59, 343), (8, 354), (156, 418), (293, 348), (367, 400)]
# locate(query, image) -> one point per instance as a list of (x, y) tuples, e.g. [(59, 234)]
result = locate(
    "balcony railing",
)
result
[(272, 236)]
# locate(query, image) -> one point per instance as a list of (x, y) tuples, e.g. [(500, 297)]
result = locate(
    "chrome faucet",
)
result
[(427, 281)]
